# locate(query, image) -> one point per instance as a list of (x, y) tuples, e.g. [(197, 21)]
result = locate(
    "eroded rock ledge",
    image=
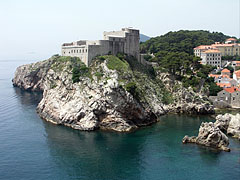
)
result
[(212, 134), (112, 94)]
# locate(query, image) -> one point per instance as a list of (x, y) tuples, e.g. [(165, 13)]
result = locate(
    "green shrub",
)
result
[(166, 97), (147, 57), (131, 87), (120, 56), (98, 74), (83, 70), (116, 64)]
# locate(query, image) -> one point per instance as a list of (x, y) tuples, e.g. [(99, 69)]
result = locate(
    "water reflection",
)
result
[(154, 152), (102, 155)]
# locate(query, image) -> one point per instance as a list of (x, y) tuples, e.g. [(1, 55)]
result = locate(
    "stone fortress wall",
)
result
[(124, 41)]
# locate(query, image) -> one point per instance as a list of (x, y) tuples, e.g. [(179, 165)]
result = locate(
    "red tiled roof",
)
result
[(225, 70), (225, 76), (231, 89), (224, 85), (214, 75), (231, 39), (212, 51), (203, 47)]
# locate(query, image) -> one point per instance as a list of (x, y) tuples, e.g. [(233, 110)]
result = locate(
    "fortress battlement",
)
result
[(125, 41)]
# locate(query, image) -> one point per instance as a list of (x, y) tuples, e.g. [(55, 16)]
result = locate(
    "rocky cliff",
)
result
[(112, 94)]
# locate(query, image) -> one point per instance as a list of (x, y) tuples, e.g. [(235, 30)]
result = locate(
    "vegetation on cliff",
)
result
[(174, 54)]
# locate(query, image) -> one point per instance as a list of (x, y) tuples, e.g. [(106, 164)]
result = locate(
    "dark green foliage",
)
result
[(121, 56), (147, 57), (79, 71), (132, 88), (174, 54), (230, 68), (231, 58), (166, 97), (213, 88), (99, 75), (138, 67), (102, 58), (181, 41), (117, 64)]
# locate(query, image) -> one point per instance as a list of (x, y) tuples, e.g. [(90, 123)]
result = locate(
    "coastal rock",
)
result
[(110, 97), (222, 122), (188, 139), (211, 136), (185, 100), (229, 123)]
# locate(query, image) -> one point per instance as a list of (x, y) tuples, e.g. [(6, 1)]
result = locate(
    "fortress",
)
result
[(125, 41)]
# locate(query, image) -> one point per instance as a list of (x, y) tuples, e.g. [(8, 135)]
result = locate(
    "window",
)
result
[(77, 51), (80, 51), (71, 51), (74, 50), (233, 98), (86, 50)]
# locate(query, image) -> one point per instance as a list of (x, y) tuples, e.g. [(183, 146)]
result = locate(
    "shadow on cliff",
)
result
[(28, 98)]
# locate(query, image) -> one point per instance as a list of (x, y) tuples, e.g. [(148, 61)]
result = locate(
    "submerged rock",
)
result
[(211, 136)]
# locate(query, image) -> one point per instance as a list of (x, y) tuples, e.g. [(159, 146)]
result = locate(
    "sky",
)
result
[(35, 29)]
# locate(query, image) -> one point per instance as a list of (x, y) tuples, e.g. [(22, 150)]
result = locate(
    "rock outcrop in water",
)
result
[(112, 94), (211, 136), (229, 124)]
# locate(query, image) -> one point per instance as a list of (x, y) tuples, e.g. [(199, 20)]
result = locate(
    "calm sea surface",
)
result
[(31, 148)]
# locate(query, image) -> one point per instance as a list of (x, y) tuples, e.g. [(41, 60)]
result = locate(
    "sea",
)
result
[(32, 149)]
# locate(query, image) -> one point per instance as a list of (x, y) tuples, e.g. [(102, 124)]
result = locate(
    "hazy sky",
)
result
[(35, 29)]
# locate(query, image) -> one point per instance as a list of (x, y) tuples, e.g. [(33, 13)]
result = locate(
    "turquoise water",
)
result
[(31, 148)]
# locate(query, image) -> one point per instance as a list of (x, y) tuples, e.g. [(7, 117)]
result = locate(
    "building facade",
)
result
[(124, 41), (211, 57), (229, 48), (228, 96)]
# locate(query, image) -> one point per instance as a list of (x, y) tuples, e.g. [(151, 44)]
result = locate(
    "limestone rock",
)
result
[(211, 136), (100, 99), (229, 123), (188, 139)]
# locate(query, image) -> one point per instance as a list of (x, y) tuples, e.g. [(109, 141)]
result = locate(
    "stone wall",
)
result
[(235, 99), (124, 41)]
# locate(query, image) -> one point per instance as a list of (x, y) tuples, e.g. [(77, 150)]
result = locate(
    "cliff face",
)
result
[(112, 94)]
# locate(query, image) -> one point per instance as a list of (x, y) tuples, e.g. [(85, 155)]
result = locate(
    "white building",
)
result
[(211, 57)]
